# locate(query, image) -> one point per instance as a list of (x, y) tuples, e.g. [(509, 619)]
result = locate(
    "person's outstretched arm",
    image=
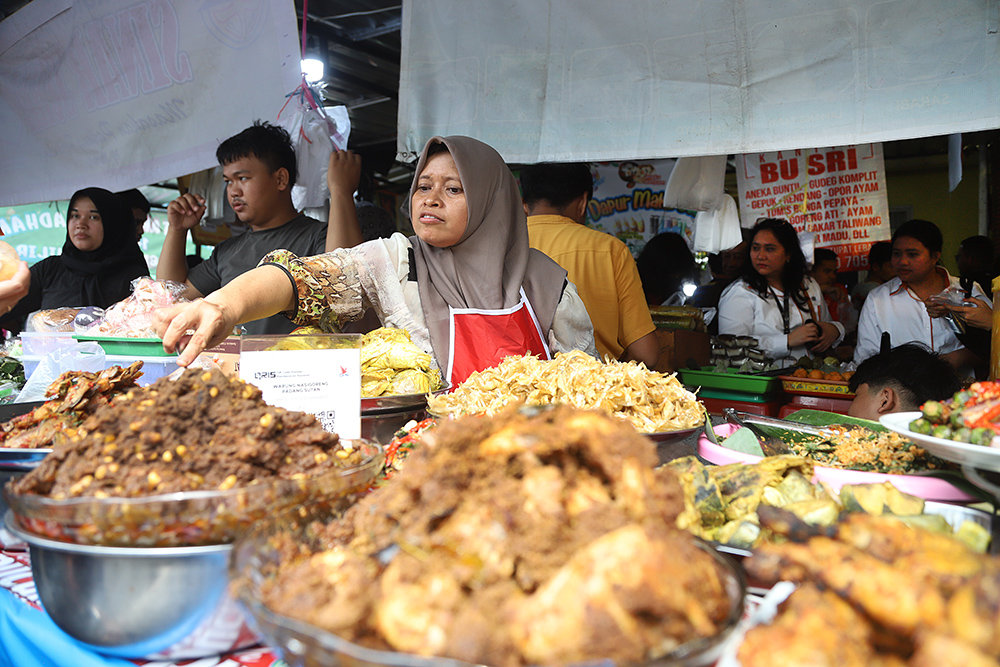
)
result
[(256, 294)]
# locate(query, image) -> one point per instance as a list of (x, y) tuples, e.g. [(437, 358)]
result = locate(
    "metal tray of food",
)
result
[(398, 402), (16, 458)]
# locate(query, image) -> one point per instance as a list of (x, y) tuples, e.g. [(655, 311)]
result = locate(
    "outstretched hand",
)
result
[(209, 322)]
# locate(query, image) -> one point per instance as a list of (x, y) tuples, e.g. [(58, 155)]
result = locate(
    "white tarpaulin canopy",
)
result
[(120, 93), (598, 80)]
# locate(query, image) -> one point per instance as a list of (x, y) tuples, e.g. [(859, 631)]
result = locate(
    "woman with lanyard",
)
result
[(775, 301), (467, 287)]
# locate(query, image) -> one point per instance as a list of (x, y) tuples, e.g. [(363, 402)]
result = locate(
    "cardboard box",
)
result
[(679, 345)]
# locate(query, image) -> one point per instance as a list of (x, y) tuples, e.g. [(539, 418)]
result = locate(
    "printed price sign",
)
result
[(324, 381)]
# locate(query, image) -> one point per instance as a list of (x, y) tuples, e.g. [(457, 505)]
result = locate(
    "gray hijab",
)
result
[(492, 261)]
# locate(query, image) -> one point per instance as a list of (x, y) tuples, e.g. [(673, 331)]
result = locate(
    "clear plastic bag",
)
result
[(696, 183), (316, 132), (133, 317), (77, 357)]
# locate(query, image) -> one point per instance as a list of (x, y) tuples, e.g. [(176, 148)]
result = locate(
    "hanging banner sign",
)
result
[(837, 193), (124, 93), (628, 202)]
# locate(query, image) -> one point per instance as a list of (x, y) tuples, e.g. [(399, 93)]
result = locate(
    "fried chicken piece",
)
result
[(889, 595), (927, 556), (613, 597), (939, 650), (813, 629), (974, 610), (71, 398)]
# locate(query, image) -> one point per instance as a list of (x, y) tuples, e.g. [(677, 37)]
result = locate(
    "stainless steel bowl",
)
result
[(168, 603)]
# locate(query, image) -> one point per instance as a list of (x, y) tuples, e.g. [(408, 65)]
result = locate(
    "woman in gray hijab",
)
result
[(467, 286)]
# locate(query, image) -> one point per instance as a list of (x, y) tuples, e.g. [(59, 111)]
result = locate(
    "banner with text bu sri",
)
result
[(836, 193)]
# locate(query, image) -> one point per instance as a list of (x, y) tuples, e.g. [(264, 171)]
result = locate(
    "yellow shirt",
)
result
[(605, 275)]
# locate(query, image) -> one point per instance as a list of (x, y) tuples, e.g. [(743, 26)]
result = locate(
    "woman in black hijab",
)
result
[(99, 260)]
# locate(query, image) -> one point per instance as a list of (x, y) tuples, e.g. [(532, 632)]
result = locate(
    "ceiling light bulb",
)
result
[(313, 69)]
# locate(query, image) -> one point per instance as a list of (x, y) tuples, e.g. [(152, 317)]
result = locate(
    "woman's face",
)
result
[(911, 259), (438, 209), (84, 224), (767, 255)]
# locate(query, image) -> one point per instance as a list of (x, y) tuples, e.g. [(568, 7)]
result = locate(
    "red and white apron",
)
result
[(482, 338)]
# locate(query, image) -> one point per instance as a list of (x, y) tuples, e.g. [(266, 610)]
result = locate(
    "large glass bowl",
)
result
[(187, 518), (255, 558)]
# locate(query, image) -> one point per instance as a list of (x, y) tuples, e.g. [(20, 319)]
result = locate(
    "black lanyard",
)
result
[(782, 309)]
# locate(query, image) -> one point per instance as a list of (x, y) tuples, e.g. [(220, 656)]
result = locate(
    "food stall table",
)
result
[(29, 637)]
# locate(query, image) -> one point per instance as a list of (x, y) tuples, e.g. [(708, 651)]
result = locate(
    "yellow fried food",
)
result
[(652, 402), (392, 364)]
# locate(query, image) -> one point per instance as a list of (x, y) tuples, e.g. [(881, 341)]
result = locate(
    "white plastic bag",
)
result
[(77, 357), (719, 229), (696, 183), (316, 132)]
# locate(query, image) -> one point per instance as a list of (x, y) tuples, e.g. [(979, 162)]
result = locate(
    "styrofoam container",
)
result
[(40, 343), (153, 368)]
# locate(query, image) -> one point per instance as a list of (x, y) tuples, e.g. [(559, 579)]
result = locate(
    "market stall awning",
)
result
[(595, 80), (128, 94)]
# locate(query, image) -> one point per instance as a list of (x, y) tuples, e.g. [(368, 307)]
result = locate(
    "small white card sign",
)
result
[(325, 382)]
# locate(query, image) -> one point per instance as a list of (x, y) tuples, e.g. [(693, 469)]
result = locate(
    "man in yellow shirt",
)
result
[(555, 198)]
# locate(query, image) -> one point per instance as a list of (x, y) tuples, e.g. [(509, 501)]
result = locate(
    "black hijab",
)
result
[(118, 253)]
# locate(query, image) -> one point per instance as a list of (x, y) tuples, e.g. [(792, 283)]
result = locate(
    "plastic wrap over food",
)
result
[(51, 320), (133, 317)]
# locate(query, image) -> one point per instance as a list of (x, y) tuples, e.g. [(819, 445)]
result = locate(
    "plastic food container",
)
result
[(40, 343), (124, 346), (188, 518), (709, 378), (807, 387), (153, 368)]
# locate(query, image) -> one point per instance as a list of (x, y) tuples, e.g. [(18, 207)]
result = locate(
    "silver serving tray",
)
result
[(21, 459), (398, 402)]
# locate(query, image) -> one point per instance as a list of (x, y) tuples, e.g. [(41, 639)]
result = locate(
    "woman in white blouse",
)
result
[(775, 301)]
